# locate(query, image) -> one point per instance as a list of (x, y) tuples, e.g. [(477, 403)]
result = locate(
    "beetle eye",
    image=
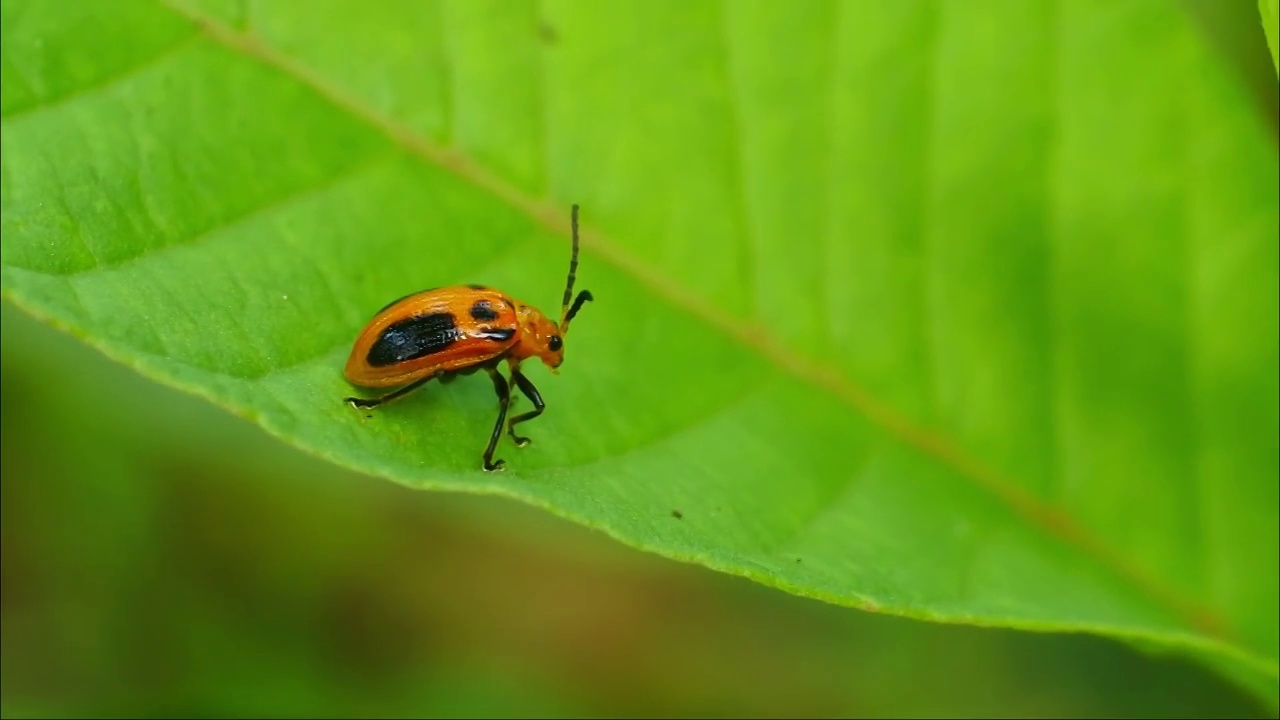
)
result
[(555, 343)]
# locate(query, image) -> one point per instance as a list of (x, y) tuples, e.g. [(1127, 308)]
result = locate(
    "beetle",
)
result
[(445, 332)]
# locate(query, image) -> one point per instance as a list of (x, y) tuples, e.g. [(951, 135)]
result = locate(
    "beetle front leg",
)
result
[(504, 398), (530, 392)]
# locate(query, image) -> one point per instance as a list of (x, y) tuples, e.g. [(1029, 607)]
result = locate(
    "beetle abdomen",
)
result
[(413, 338)]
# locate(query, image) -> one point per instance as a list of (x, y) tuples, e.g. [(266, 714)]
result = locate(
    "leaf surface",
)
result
[(968, 317), (1270, 10)]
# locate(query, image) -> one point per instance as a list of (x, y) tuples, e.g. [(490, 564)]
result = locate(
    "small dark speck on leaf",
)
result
[(677, 514), (547, 32), (797, 559), (369, 416)]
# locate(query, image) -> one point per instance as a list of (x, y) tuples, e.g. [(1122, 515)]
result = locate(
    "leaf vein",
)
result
[(104, 83), (274, 204)]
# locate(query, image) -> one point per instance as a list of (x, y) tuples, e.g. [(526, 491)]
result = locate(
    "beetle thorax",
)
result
[(539, 337)]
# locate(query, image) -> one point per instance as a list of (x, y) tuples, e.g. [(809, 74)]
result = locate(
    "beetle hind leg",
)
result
[(366, 403), (503, 390)]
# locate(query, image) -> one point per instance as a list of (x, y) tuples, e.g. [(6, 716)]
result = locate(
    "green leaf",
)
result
[(1270, 10), (969, 317)]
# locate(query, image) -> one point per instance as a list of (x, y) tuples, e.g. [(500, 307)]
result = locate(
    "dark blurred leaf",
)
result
[(961, 316)]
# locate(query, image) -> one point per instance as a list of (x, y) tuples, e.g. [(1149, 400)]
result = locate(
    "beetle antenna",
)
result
[(583, 297), (573, 268), (566, 312)]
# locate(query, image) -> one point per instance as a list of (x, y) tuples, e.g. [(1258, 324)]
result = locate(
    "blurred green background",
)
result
[(161, 556)]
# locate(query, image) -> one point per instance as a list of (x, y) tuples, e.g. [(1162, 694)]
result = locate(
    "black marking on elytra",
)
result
[(406, 297), (483, 311), (497, 334), (477, 287), (414, 338)]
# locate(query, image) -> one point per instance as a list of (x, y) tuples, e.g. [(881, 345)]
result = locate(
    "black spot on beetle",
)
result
[(414, 338), (483, 311), (497, 334)]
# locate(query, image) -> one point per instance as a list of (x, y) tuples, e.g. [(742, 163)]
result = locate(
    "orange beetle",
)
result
[(451, 331)]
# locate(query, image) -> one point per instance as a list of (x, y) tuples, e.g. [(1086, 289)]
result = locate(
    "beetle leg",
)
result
[(530, 392), (365, 403), (504, 398)]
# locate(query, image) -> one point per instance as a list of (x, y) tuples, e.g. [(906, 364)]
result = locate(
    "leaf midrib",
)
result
[(1021, 502)]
